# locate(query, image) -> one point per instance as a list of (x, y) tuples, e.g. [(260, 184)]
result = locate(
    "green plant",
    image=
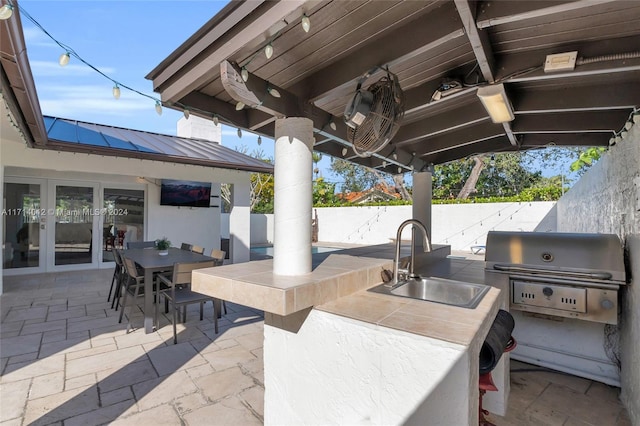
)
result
[(163, 243)]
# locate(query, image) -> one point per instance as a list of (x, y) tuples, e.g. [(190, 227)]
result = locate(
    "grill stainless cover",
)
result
[(562, 274)]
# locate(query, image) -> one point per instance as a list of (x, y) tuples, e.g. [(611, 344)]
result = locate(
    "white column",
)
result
[(422, 195), (240, 220), (292, 196)]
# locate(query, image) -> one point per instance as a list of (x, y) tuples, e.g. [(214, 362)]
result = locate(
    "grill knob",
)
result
[(547, 291), (606, 304)]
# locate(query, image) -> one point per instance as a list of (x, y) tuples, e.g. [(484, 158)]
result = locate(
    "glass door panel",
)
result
[(22, 237), (123, 212), (74, 213)]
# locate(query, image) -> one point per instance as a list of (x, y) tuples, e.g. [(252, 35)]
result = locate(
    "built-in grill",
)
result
[(559, 274)]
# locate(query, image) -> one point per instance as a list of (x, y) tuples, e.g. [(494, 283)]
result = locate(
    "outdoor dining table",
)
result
[(151, 261)]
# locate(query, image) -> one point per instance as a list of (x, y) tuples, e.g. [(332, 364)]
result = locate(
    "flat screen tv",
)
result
[(184, 193)]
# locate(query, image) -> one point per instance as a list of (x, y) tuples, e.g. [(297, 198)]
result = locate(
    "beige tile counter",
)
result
[(338, 285), (254, 284)]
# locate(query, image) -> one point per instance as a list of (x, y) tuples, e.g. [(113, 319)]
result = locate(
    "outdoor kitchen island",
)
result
[(336, 353)]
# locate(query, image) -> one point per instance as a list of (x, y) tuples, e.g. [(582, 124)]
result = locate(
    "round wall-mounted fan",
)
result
[(373, 115)]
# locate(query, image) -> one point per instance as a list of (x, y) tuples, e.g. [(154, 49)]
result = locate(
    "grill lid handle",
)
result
[(600, 275)]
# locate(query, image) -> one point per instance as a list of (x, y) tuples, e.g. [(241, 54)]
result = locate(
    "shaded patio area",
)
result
[(66, 359)]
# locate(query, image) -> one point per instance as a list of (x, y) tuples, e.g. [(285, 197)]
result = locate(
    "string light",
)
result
[(239, 132), (63, 60), (268, 50), (216, 121), (259, 140), (186, 114), (158, 107), (394, 155), (333, 126), (399, 169), (239, 106), (306, 23), (116, 91), (344, 151), (384, 164), (5, 12), (244, 74), (273, 92)]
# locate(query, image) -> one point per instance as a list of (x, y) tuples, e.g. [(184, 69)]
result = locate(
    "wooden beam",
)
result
[(571, 122), (446, 141), (541, 140), (510, 135), (504, 12), (399, 45), (256, 27), (478, 38), (254, 93), (581, 98), (497, 144), (467, 115)]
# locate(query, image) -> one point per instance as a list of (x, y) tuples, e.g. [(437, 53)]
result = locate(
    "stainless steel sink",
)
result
[(438, 290)]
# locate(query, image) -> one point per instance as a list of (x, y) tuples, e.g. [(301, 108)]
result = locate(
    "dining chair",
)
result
[(218, 255), (180, 294), (186, 247), (116, 280), (218, 259), (197, 249), (140, 244), (132, 284)]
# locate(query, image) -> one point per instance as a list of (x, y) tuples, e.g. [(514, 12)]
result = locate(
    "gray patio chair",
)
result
[(132, 284), (116, 280), (197, 249), (186, 247), (140, 244), (180, 294), (219, 256)]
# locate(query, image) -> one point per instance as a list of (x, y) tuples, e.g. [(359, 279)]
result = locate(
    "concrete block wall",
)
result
[(458, 225), (607, 200)]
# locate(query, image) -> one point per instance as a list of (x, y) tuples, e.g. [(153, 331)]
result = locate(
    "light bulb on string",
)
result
[(244, 74), (636, 117), (239, 106), (384, 164), (6, 12), (333, 126), (273, 92), (618, 139), (239, 132), (116, 91), (344, 151), (628, 125), (268, 51), (216, 121), (259, 140), (158, 107), (394, 155), (399, 169), (186, 113), (63, 60), (623, 134), (612, 141), (306, 23)]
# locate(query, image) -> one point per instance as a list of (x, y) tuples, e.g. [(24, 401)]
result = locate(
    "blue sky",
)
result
[(125, 40)]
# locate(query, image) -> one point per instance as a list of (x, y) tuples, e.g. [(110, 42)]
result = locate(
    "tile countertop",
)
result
[(338, 285)]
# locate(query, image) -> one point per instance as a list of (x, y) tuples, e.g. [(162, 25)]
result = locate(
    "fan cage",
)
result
[(383, 121)]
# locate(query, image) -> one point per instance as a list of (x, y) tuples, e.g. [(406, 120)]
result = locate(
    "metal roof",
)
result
[(423, 42), (78, 136)]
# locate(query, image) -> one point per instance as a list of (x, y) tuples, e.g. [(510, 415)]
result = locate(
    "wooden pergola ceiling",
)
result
[(422, 42)]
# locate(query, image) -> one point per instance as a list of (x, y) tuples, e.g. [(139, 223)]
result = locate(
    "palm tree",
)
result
[(316, 157)]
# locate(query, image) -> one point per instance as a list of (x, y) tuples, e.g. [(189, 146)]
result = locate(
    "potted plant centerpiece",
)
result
[(162, 245)]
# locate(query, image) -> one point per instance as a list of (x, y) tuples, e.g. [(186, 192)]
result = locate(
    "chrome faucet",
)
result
[(426, 244)]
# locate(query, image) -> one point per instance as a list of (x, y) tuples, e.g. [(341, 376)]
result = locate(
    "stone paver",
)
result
[(65, 359)]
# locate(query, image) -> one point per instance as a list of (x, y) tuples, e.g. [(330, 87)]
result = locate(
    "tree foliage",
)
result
[(261, 189), (355, 178)]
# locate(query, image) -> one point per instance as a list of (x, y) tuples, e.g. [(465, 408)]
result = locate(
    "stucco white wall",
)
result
[(607, 200), (377, 375), (458, 225), (630, 336)]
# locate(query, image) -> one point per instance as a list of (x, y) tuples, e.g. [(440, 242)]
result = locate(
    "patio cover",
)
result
[(477, 43), (78, 136)]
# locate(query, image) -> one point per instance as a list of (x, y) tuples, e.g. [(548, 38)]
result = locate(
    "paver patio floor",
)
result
[(67, 361)]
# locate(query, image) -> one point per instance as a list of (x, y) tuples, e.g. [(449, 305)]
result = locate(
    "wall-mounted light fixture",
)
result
[(495, 101), (6, 11)]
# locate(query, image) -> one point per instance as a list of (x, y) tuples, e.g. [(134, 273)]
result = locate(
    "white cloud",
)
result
[(35, 37), (76, 101), (53, 69)]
